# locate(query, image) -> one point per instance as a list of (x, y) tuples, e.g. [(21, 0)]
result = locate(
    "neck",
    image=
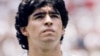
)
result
[(42, 51)]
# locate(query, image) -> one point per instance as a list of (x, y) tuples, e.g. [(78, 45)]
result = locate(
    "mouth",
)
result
[(48, 30), (48, 35)]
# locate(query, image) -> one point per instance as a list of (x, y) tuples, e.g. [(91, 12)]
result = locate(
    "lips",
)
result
[(48, 30)]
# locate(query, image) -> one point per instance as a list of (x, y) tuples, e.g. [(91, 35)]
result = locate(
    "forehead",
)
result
[(46, 8)]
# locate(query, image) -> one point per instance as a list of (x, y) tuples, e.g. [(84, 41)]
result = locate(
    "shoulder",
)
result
[(65, 54), (24, 53)]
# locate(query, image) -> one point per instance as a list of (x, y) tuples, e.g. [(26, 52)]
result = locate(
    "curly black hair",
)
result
[(27, 7)]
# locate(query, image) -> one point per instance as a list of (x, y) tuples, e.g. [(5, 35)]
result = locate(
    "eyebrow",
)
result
[(39, 13), (55, 13), (43, 13)]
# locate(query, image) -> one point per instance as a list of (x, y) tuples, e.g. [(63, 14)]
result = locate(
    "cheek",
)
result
[(59, 25), (59, 28), (33, 30)]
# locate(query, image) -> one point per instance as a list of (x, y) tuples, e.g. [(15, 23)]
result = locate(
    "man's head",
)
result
[(40, 20)]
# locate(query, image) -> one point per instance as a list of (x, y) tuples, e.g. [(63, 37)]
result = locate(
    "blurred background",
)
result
[(82, 35)]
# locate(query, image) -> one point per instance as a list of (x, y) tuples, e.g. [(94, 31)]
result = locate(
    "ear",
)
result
[(24, 31)]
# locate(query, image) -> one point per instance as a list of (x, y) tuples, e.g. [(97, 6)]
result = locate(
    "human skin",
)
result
[(44, 31)]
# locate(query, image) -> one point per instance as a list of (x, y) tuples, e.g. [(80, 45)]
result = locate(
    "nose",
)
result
[(48, 21)]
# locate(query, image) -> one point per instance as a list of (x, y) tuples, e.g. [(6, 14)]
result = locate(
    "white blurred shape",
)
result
[(91, 41), (80, 52), (10, 48), (85, 24), (95, 53), (77, 2), (4, 27), (70, 36), (13, 4), (97, 23), (4, 13)]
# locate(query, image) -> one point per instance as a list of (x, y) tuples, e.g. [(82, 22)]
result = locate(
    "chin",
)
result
[(49, 39)]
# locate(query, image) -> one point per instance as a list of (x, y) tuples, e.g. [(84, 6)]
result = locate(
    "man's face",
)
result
[(44, 26)]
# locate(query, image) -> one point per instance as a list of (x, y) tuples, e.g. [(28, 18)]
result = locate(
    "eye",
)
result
[(39, 17), (55, 16)]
